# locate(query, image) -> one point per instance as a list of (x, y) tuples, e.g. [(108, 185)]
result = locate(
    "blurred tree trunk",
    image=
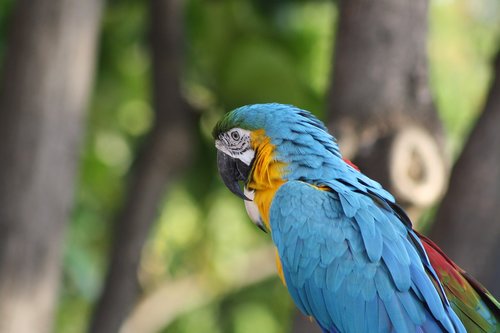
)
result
[(44, 91), (163, 157), (467, 223), (381, 108)]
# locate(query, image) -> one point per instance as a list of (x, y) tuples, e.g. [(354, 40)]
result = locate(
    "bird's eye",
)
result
[(235, 135)]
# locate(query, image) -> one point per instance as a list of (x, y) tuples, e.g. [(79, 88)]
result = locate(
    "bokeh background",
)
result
[(112, 215)]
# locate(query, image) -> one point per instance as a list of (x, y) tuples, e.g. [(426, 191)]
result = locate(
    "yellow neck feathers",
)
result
[(266, 178), (266, 175)]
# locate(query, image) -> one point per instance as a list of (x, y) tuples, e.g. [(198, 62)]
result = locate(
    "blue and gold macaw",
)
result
[(346, 251)]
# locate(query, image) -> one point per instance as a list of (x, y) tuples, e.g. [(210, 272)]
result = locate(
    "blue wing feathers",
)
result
[(429, 295), (368, 289), (384, 323), (371, 236), (296, 295), (396, 315), (355, 282), (371, 313), (327, 255), (415, 310), (333, 276), (337, 249), (382, 282), (399, 271), (349, 204), (320, 276), (317, 301), (351, 263)]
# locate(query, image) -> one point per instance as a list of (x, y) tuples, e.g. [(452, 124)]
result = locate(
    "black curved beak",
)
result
[(232, 171)]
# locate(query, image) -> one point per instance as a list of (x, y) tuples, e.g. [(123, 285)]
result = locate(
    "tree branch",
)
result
[(175, 298)]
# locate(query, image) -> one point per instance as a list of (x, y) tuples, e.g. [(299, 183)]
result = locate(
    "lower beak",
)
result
[(232, 171)]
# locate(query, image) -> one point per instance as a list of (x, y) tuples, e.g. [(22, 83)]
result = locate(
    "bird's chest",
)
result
[(265, 180), (258, 209)]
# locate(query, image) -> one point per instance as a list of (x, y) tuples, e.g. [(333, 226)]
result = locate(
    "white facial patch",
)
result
[(236, 143), (220, 146), (247, 156), (251, 207)]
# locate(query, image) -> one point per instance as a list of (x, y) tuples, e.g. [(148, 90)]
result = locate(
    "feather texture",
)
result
[(349, 279)]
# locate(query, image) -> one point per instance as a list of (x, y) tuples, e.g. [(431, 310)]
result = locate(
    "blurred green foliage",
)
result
[(236, 52), (464, 35), (5, 11)]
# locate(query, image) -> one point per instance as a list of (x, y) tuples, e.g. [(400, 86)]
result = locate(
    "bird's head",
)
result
[(294, 138)]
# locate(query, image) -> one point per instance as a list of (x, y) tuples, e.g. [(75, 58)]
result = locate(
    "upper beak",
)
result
[(232, 170)]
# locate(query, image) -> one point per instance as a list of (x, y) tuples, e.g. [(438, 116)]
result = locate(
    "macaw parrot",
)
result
[(345, 250)]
